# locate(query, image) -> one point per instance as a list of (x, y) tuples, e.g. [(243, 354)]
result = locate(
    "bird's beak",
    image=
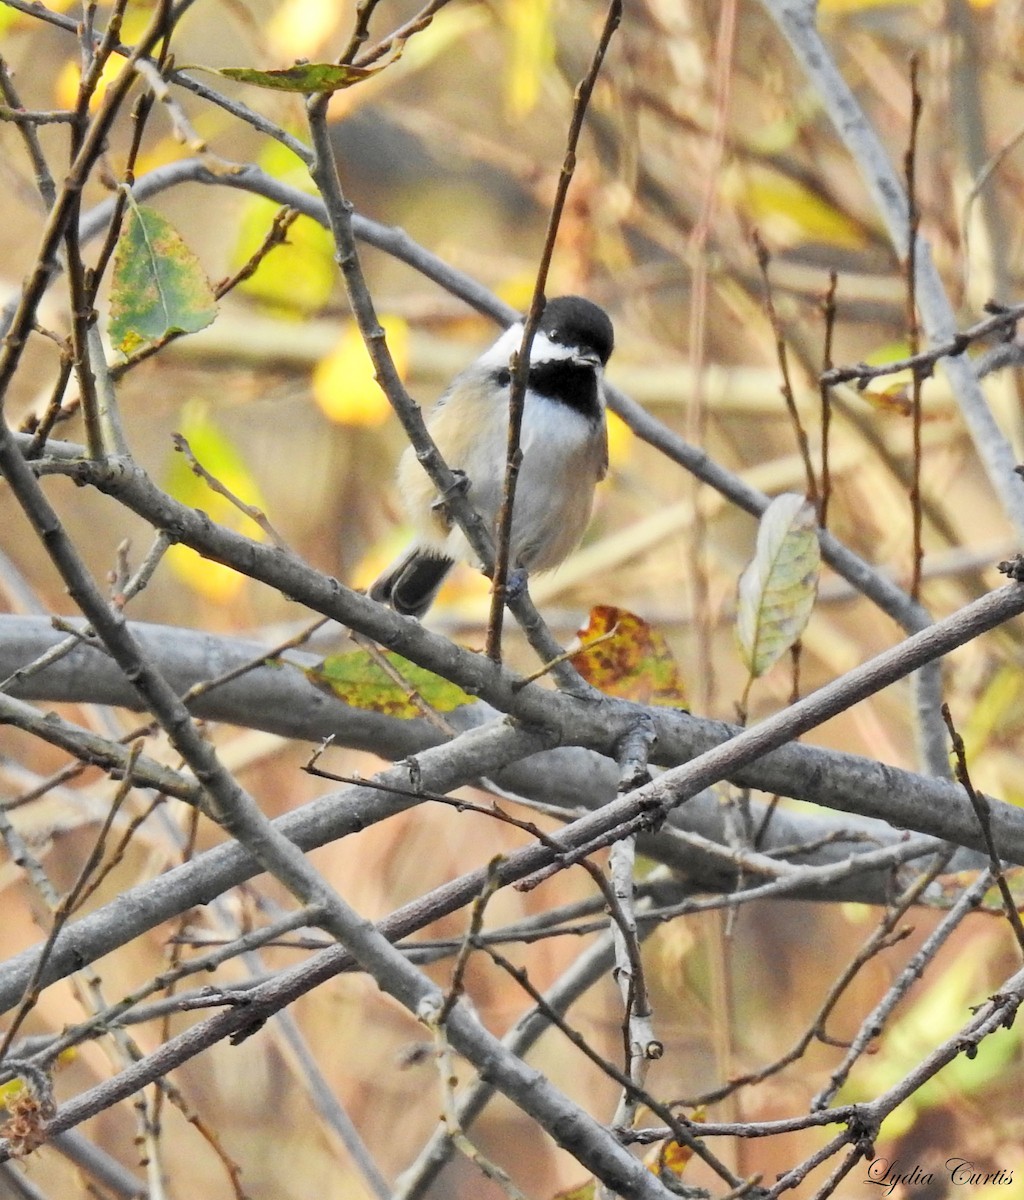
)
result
[(589, 358)]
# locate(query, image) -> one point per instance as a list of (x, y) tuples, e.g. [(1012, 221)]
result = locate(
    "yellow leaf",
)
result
[(296, 278), (452, 26), (344, 384), (786, 212), (531, 53), (299, 28), (620, 440), (997, 711), (212, 580), (65, 87), (673, 1158), (670, 1159), (517, 290)]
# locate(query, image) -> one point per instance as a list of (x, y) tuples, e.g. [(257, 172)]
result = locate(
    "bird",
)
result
[(564, 443)]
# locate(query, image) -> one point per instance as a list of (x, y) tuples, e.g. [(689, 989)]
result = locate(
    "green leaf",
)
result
[(778, 588), (307, 78), (363, 682), (158, 285)]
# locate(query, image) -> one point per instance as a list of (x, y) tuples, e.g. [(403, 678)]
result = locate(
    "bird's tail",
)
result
[(410, 584)]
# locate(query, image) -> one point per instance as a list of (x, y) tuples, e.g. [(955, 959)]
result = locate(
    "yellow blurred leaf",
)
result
[(531, 53), (65, 86), (296, 278), (785, 211), (996, 714), (673, 1157), (620, 440), (778, 589), (213, 449), (299, 28), (624, 656), (344, 384), (517, 290), (891, 393), (452, 26)]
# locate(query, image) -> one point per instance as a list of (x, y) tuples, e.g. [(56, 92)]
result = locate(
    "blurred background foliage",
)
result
[(698, 135)]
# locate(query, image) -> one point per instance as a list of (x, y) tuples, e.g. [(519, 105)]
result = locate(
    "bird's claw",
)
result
[(515, 584)]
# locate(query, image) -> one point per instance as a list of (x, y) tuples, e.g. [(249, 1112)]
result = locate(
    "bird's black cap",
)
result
[(576, 321)]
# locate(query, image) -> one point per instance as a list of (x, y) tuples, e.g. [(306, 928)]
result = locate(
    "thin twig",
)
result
[(686, 1132), (26, 123), (520, 366), (999, 325), (214, 484), (828, 309), (914, 328), (782, 355), (981, 807), (874, 1023), (883, 937)]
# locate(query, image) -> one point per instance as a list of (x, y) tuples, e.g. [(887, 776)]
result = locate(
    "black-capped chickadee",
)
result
[(564, 441)]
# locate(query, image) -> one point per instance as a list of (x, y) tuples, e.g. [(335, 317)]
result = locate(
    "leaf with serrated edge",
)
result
[(158, 285), (778, 589)]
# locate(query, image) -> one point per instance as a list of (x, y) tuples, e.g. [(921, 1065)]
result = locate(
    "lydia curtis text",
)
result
[(961, 1172)]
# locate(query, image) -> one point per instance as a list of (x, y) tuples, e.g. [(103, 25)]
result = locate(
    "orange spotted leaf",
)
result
[(671, 1158), (625, 657)]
